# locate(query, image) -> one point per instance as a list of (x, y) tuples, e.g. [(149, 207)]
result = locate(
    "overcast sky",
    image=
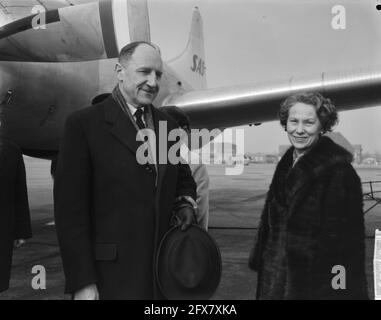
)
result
[(249, 41)]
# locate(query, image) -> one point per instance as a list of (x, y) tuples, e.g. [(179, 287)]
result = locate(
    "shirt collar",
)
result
[(133, 109), (130, 106), (296, 157)]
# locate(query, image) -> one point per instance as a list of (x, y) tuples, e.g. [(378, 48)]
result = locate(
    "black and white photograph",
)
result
[(208, 151)]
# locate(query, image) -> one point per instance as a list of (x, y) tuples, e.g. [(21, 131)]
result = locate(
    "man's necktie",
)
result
[(139, 120)]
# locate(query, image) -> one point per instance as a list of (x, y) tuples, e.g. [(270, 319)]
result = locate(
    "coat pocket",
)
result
[(106, 251)]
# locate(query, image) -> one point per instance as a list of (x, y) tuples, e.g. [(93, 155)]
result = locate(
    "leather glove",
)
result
[(185, 217)]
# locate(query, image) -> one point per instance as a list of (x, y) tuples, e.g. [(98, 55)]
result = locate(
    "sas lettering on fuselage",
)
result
[(198, 65)]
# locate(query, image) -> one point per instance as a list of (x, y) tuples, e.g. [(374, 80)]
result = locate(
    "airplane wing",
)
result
[(259, 102), (253, 104)]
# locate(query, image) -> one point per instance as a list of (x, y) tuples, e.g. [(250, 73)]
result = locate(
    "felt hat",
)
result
[(188, 264)]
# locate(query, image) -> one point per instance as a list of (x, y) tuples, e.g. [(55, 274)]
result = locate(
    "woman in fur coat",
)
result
[(310, 242)]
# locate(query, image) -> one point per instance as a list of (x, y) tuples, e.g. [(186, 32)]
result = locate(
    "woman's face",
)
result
[(303, 126)]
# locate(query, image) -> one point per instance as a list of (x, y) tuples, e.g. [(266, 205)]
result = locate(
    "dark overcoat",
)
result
[(110, 215), (14, 208), (312, 221)]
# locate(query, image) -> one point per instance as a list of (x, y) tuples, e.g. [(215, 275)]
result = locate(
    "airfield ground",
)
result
[(235, 203)]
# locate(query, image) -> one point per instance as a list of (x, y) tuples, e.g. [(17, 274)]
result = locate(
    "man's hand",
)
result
[(186, 217), (19, 243), (89, 292)]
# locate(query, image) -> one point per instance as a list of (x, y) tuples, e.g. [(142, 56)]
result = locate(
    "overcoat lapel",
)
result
[(157, 117), (120, 125)]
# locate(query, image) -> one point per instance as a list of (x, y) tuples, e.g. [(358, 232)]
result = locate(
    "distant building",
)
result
[(219, 153), (338, 138), (271, 158), (370, 161), (355, 149), (258, 157), (357, 155), (221, 148), (282, 149)]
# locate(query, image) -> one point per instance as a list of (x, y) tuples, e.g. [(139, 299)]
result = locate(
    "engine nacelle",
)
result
[(91, 31)]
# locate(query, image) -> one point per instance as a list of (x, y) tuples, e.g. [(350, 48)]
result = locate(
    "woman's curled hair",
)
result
[(325, 109)]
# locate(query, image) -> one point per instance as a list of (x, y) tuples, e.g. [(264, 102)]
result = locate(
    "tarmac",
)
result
[(235, 207)]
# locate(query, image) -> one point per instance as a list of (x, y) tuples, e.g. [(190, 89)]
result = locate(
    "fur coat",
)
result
[(311, 227)]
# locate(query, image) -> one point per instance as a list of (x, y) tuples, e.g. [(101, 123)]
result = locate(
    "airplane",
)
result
[(50, 69)]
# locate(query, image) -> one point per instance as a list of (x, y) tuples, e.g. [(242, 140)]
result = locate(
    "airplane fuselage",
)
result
[(38, 97)]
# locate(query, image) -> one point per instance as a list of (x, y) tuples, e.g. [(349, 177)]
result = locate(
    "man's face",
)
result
[(140, 76)]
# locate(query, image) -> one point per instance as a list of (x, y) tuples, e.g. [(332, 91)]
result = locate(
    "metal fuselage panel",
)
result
[(44, 94), (47, 74), (235, 106)]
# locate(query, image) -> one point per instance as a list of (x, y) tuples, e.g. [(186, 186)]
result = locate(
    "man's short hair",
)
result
[(128, 50), (178, 115)]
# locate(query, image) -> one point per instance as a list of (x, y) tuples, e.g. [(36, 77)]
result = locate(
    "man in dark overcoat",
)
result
[(111, 211), (15, 225)]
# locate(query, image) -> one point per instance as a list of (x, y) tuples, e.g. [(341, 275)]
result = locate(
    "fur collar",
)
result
[(288, 182)]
